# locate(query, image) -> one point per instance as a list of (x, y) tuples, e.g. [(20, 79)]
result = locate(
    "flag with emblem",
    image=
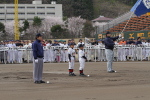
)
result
[(141, 7)]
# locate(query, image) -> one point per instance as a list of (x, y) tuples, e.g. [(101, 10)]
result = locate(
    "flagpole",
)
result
[(130, 17), (127, 22)]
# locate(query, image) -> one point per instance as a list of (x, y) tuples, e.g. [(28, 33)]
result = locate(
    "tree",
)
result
[(75, 26), (2, 27), (2, 30), (26, 25), (88, 29), (37, 22), (58, 32)]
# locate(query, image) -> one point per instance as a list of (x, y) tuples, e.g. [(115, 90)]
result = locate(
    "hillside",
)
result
[(89, 9)]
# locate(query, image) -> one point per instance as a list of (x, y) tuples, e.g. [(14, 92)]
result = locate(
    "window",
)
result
[(1, 13), (50, 7), (10, 13), (1, 19), (10, 7), (21, 13), (40, 7), (21, 7), (21, 19), (31, 7), (30, 13), (41, 13), (30, 19), (50, 13), (9, 19), (1, 7)]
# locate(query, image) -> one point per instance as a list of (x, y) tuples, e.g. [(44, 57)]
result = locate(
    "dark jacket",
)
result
[(109, 42), (131, 42), (38, 51), (138, 42)]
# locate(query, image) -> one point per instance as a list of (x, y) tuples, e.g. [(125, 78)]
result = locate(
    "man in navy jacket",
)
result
[(138, 41), (109, 46), (38, 54)]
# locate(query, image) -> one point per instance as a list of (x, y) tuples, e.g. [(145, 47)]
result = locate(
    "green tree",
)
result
[(2, 27), (58, 32), (37, 22), (26, 25), (88, 29)]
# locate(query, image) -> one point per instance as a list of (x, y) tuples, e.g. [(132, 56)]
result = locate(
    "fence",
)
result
[(60, 54)]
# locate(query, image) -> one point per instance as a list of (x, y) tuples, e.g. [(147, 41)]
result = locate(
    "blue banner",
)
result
[(141, 7)]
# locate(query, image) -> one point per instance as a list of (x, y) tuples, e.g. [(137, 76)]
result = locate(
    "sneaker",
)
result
[(82, 74), (112, 71), (42, 81), (72, 74), (37, 82)]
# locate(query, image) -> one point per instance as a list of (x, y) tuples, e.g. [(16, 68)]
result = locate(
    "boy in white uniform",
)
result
[(71, 56), (82, 59)]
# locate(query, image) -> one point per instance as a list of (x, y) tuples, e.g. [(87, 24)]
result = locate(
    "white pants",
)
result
[(82, 63), (71, 64), (109, 57), (20, 53)]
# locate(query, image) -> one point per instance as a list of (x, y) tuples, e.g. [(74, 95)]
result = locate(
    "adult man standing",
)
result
[(109, 46), (38, 54)]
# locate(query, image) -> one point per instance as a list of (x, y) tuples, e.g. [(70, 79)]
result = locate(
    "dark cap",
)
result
[(38, 35), (71, 43), (81, 46), (108, 33), (138, 38)]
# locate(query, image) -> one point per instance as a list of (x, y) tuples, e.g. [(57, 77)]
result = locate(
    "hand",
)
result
[(36, 60), (120, 35)]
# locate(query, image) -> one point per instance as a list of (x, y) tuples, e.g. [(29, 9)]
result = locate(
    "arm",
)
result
[(84, 57), (34, 47), (114, 38), (69, 56)]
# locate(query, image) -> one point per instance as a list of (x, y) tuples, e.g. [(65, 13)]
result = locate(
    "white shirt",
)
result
[(81, 53), (71, 51), (10, 45)]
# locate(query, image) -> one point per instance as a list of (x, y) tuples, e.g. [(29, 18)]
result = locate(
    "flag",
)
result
[(141, 7)]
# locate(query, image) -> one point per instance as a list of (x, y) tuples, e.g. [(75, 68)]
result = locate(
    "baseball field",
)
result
[(131, 82)]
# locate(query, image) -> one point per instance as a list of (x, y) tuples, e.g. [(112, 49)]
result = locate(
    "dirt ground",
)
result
[(131, 82)]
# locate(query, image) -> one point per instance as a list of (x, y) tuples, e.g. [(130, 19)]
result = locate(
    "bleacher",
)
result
[(135, 24)]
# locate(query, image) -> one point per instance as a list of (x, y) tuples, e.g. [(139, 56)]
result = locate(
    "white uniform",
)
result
[(71, 51), (80, 43), (81, 59), (10, 53), (61, 52), (46, 53), (65, 53)]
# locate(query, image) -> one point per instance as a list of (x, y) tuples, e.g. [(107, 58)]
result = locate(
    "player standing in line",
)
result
[(38, 54), (109, 45), (82, 59), (71, 56)]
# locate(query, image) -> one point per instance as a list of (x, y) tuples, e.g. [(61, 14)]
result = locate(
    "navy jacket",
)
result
[(109, 42), (138, 42), (38, 51)]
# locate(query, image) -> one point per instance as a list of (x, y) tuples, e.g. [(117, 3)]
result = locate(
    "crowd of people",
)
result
[(53, 55)]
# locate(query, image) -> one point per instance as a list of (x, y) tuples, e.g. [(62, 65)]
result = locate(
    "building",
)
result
[(28, 11)]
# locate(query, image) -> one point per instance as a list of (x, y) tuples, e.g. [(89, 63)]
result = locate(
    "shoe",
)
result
[(42, 81), (112, 71), (37, 82), (72, 74), (82, 75)]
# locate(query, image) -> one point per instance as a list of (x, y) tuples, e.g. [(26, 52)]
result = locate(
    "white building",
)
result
[(29, 11)]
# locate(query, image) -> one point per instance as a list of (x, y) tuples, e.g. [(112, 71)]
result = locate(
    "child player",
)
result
[(82, 59), (71, 56)]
